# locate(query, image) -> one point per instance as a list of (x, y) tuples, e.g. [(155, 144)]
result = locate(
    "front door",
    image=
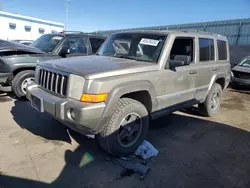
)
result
[(177, 84)]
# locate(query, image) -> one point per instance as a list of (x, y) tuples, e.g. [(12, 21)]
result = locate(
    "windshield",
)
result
[(47, 43), (136, 46), (245, 63)]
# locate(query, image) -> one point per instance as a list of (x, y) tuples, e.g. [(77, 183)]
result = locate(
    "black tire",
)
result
[(109, 140), (18, 80), (206, 107)]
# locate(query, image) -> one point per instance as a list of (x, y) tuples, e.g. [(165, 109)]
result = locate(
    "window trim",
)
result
[(198, 45), (218, 50)]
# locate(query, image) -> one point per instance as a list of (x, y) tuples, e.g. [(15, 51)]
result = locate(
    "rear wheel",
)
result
[(20, 81), (126, 129), (212, 103)]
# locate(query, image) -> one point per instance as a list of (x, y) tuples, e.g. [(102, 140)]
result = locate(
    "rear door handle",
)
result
[(193, 71), (215, 68)]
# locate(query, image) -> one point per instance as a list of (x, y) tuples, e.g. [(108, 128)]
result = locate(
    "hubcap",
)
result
[(130, 129), (215, 100), (25, 83)]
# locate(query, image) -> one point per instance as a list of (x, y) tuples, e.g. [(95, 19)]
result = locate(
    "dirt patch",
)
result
[(233, 102)]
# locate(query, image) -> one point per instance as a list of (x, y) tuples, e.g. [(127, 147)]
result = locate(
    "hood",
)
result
[(92, 67), (12, 46), (241, 69)]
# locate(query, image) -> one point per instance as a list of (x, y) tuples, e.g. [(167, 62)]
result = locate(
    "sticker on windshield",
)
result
[(150, 42), (57, 38)]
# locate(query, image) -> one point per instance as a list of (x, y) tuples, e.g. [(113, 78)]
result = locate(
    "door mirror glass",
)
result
[(179, 61), (64, 50), (175, 63)]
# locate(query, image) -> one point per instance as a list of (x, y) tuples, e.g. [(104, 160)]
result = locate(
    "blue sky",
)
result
[(92, 15)]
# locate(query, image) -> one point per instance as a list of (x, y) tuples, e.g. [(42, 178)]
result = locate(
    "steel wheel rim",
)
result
[(130, 129), (215, 100), (25, 83)]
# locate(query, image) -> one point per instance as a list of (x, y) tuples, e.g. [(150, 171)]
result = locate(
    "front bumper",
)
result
[(245, 82), (86, 116), (5, 76)]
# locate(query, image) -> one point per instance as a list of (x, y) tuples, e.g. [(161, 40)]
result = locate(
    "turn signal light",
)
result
[(94, 98)]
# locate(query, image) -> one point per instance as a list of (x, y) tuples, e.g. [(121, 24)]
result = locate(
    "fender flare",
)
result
[(213, 80), (23, 66), (122, 89)]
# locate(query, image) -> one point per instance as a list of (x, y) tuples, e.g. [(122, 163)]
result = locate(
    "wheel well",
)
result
[(221, 81), (141, 96), (22, 69)]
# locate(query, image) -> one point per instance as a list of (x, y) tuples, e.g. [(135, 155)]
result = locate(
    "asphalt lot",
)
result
[(194, 151)]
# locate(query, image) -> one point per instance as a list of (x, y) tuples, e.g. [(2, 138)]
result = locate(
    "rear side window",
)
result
[(206, 49), (222, 49), (96, 44)]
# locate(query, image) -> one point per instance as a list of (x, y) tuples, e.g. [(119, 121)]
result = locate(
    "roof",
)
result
[(69, 33), (182, 32), (30, 19)]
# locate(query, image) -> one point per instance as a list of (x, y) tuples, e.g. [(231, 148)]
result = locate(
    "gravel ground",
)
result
[(194, 151)]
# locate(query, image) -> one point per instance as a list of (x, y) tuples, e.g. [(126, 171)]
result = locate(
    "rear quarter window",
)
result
[(222, 49)]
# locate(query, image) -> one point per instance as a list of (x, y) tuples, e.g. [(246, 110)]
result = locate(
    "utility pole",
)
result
[(67, 12), (1, 5)]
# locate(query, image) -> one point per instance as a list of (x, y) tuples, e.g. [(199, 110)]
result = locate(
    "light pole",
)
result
[(67, 12)]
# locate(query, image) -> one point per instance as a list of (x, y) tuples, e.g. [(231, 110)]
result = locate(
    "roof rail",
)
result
[(70, 32), (199, 31)]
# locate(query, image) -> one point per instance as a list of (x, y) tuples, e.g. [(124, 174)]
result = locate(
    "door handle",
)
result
[(215, 68), (193, 71)]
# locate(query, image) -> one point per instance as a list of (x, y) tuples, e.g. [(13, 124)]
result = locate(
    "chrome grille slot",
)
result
[(53, 81)]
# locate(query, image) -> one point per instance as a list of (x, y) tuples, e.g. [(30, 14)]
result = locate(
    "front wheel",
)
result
[(20, 81), (126, 129), (212, 103)]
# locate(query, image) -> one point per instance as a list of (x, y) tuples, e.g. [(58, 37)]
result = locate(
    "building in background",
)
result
[(237, 31), (18, 27)]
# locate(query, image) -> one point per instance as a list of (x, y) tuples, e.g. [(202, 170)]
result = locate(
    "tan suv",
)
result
[(115, 93)]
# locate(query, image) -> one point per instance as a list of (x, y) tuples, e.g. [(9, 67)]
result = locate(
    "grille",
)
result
[(52, 81), (241, 75)]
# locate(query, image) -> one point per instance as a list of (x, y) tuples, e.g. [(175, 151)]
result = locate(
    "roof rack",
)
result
[(199, 31), (70, 32)]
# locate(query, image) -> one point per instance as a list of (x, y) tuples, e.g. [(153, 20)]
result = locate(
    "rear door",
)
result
[(206, 65)]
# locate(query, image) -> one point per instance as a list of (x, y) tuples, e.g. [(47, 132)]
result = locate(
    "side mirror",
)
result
[(64, 50), (175, 63)]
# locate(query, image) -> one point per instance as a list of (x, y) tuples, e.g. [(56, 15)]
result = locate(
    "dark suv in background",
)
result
[(18, 62)]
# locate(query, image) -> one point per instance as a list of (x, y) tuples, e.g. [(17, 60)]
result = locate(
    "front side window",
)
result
[(183, 49), (76, 45), (206, 48), (47, 43), (137, 46), (222, 50)]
